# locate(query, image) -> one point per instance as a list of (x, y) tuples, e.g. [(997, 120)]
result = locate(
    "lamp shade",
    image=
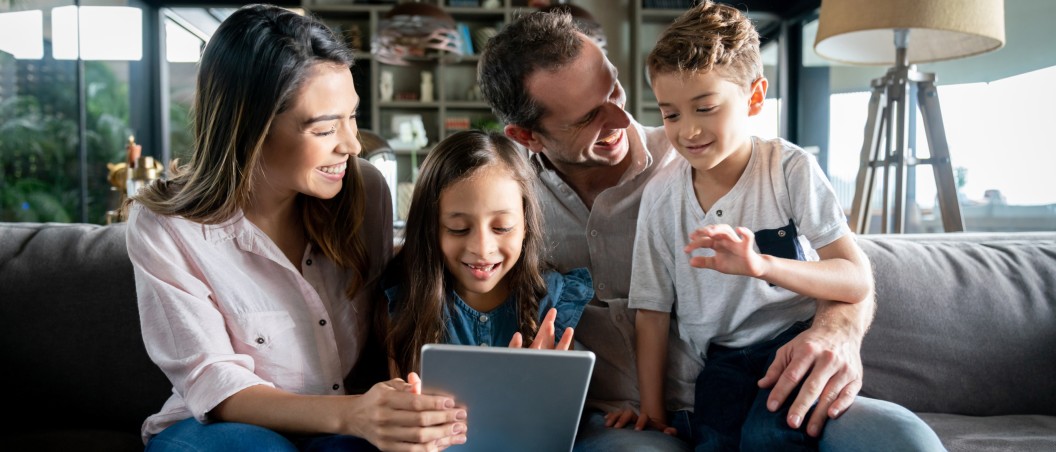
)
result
[(862, 31)]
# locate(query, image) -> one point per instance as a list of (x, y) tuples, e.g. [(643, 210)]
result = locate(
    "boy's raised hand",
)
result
[(544, 338), (734, 250)]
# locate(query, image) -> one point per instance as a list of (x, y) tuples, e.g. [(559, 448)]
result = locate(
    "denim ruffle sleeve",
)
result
[(569, 293), (392, 297)]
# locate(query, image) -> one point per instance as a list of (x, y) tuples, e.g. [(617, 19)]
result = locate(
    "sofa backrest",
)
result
[(965, 323), (70, 338)]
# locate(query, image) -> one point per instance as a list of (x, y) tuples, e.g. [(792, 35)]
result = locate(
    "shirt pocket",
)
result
[(270, 338), (782, 242)]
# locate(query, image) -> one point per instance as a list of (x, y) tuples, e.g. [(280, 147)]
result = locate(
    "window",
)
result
[(52, 169)]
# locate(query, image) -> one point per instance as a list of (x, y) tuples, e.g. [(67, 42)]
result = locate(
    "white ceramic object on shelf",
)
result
[(386, 86), (427, 87)]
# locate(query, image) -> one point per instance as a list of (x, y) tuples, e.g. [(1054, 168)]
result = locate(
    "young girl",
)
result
[(250, 261), (471, 269)]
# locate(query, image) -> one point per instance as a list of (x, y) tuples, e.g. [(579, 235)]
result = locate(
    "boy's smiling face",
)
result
[(706, 115)]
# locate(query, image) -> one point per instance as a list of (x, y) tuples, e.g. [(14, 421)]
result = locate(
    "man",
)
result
[(560, 98)]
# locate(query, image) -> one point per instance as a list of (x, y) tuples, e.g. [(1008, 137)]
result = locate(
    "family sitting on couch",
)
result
[(263, 268), (257, 264)]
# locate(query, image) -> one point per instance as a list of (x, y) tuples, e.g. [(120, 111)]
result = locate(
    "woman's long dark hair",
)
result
[(251, 70), (419, 266)]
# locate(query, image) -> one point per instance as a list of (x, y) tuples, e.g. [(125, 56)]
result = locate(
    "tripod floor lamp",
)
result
[(902, 33)]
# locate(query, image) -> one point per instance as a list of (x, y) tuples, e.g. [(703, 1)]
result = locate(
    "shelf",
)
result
[(669, 14), (468, 12), (409, 104), (346, 8), (453, 75), (467, 105)]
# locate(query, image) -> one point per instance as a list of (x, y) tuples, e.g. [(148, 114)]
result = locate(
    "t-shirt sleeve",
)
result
[(652, 286), (816, 209), (569, 293)]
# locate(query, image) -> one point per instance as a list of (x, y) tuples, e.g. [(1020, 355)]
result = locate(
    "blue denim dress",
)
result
[(569, 293)]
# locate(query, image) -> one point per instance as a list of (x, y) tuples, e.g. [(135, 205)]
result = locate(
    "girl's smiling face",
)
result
[(482, 234)]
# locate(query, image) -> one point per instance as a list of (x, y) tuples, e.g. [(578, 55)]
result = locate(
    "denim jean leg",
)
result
[(723, 395), (765, 431), (335, 443), (878, 425), (594, 436), (190, 435)]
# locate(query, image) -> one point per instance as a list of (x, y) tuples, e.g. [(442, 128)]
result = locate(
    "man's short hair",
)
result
[(535, 41)]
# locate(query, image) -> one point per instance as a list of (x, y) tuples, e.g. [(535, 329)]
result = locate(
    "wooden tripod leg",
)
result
[(866, 181), (928, 99)]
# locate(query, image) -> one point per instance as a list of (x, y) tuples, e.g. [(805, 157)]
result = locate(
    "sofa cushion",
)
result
[(965, 323), (63, 289), (1026, 433)]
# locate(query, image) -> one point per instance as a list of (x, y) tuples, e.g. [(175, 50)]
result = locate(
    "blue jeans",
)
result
[(728, 401), (730, 411), (593, 435), (191, 435)]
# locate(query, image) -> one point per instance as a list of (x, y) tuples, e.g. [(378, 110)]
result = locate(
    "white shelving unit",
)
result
[(452, 77)]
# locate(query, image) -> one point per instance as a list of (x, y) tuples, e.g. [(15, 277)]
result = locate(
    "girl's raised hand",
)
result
[(544, 338)]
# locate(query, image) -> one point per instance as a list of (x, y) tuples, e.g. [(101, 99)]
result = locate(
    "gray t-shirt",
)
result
[(602, 239), (782, 191)]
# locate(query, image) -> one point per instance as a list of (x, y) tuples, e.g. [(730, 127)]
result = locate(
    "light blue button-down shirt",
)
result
[(568, 293)]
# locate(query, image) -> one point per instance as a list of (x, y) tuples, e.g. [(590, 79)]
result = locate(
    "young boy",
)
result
[(734, 304)]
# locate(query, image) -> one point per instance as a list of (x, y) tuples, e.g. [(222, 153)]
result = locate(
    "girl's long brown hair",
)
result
[(251, 70), (419, 266)]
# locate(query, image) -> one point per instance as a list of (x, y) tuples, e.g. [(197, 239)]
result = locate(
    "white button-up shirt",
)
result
[(223, 309)]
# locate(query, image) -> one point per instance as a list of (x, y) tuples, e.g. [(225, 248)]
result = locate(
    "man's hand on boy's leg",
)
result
[(734, 250), (829, 356)]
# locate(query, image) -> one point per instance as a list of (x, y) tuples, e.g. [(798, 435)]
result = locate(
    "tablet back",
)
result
[(516, 399)]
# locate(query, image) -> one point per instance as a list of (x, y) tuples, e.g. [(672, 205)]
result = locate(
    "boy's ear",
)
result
[(525, 137), (757, 96)]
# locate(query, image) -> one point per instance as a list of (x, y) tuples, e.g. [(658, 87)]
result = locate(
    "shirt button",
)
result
[(322, 322), (483, 318), (601, 286), (309, 262), (780, 233), (336, 386), (719, 213), (260, 340), (619, 318), (593, 232)]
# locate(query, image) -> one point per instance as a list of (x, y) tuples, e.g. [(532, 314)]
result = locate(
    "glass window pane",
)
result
[(41, 175)]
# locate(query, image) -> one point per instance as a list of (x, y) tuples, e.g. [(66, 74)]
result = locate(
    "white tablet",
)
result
[(516, 399)]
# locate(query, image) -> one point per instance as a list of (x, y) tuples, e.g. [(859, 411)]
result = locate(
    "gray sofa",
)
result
[(965, 335)]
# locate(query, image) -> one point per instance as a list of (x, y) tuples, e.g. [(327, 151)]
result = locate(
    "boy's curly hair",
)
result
[(710, 36)]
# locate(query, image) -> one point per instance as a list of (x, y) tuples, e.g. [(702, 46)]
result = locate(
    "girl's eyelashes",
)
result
[(464, 231)]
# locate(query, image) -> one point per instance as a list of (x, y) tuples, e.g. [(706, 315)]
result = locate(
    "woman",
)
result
[(251, 260)]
